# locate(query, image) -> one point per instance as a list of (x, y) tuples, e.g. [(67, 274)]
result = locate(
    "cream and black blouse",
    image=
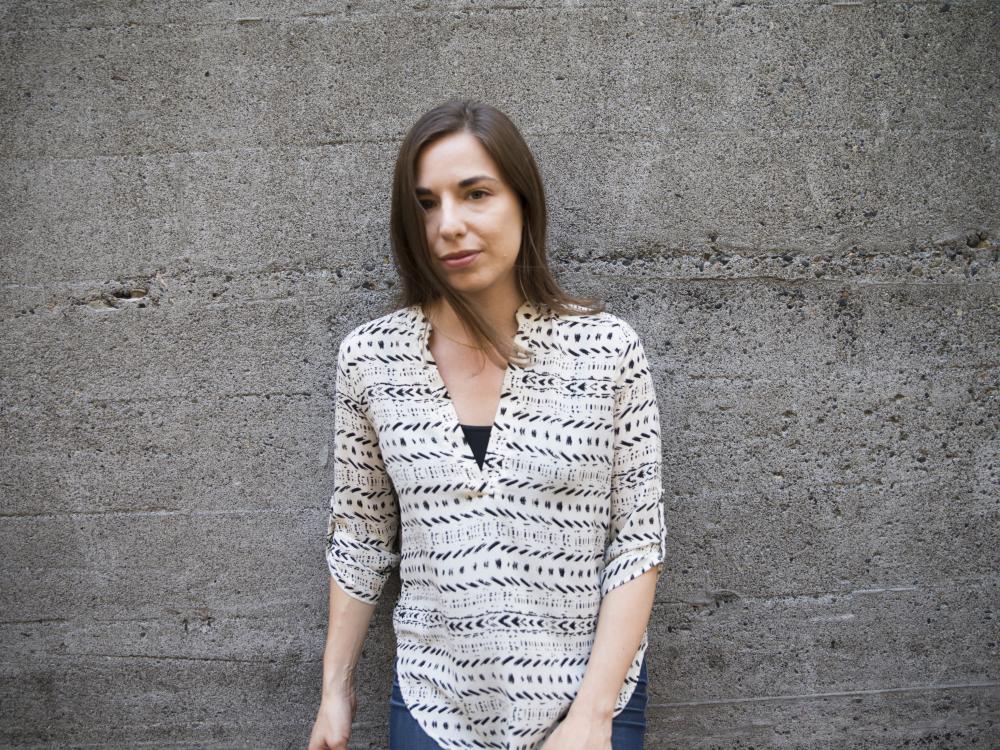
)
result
[(503, 567)]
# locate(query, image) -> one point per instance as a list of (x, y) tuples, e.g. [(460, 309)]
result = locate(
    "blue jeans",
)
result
[(627, 728)]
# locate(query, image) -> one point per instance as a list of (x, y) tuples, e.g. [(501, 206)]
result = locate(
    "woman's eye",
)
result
[(428, 204)]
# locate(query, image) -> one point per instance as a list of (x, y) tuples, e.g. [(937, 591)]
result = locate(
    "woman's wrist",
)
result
[(598, 707), (338, 680)]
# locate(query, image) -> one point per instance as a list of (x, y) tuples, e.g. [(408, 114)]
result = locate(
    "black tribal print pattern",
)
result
[(504, 566)]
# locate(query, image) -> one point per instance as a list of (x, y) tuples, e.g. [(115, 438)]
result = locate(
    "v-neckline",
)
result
[(452, 424)]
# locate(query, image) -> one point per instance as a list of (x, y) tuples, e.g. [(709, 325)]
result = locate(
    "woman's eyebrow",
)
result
[(462, 183)]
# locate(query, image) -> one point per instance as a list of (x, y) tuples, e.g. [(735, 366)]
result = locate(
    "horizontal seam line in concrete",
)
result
[(450, 10), (922, 585), (155, 657), (986, 283), (237, 395), (123, 303), (836, 694), (324, 508), (578, 134)]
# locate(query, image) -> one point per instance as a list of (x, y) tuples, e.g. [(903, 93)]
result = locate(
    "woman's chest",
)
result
[(553, 424), (474, 385)]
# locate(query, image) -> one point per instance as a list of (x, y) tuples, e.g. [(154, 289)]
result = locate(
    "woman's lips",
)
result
[(461, 261)]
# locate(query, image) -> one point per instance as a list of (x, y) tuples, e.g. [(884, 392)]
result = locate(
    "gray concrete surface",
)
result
[(796, 203)]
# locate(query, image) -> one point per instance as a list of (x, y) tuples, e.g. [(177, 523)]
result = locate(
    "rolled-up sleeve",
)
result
[(361, 544), (637, 531)]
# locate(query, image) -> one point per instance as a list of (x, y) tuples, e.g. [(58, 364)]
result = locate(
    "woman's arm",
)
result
[(623, 617), (634, 556), (348, 626), (361, 550), (363, 526), (349, 619)]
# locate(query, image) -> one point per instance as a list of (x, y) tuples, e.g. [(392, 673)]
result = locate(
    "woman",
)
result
[(500, 441)]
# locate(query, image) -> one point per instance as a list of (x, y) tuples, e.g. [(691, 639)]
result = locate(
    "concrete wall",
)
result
[(795, 202)]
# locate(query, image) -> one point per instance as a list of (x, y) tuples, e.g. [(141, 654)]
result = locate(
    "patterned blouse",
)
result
[(503, 567)]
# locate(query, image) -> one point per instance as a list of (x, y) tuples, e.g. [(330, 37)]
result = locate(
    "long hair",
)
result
[(421, 280)]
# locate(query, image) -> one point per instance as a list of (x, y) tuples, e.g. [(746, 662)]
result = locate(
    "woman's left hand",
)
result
[(580, 732)]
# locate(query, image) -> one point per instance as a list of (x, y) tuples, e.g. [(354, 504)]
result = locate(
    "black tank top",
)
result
[(478, 437)]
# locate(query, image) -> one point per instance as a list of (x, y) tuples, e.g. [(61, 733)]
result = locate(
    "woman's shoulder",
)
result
[(602, 324), (379, 331)]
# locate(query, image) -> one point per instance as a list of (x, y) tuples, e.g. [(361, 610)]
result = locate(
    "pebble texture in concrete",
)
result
[(794, 202)]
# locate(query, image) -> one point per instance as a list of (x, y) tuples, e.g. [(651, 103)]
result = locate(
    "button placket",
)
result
[(493, 462), (480, 481)]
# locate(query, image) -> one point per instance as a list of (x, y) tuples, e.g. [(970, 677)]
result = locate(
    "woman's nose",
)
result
[(451, 219)]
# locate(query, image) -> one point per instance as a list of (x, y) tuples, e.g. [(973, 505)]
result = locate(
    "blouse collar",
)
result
[(529, 316)]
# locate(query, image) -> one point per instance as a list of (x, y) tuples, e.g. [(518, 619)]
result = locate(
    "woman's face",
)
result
[(469, 207)]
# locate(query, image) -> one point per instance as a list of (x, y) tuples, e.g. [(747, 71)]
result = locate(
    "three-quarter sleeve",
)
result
[(361, 547), (637, 532)]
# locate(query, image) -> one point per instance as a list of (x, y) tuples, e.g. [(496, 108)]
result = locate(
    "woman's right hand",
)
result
[(333, 722)]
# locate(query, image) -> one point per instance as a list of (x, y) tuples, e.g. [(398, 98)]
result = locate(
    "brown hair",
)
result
[(421, 280)]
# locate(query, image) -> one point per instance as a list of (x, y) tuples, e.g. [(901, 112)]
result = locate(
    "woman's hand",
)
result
[(580, 731), (333, 722)]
